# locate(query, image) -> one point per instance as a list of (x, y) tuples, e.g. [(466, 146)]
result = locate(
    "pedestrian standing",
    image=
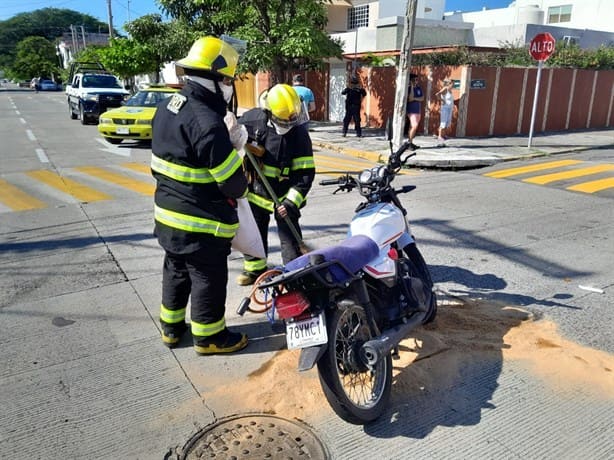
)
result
[(445, 111), (304, 93), (198, 176), (354, 93), (415, 97), (285, 157)]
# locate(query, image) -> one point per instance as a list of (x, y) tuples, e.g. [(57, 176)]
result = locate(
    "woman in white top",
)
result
[(445, 112)]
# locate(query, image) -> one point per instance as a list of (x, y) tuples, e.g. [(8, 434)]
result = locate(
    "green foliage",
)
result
[(282, 35), (49, 23), (127, 57), (517, 55), (35, 57)]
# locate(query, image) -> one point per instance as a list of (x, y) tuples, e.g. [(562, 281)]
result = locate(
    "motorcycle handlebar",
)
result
[(330, 182)]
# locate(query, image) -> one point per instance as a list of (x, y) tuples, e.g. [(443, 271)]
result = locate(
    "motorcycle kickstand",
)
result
[(395, 353)]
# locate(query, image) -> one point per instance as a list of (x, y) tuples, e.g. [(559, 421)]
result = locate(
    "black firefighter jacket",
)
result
[(287, 163), (197, 169)]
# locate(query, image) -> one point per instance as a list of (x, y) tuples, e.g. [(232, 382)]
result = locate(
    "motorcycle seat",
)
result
[(354, 253)]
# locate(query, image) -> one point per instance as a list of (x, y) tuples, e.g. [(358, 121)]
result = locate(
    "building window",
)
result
[(571, 40), (358, 16), (559, 14)]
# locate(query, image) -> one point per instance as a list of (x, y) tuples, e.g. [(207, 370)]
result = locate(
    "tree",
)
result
[(35, 58), (154, 42), (282, 35), (49, 23)]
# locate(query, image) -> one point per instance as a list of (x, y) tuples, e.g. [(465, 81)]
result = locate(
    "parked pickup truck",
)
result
[(91, 91)]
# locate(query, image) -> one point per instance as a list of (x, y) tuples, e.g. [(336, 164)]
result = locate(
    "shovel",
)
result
[(303, 248)]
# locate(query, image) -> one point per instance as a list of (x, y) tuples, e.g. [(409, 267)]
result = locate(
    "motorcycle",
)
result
[(347, 307)]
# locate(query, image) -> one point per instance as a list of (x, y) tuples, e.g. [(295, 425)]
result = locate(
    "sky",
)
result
[(125, 10)]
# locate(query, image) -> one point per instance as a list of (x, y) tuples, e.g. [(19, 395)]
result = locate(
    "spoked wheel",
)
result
[(356, 392)]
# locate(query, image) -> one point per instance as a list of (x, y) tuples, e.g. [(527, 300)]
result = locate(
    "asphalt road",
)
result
[(518, 364)]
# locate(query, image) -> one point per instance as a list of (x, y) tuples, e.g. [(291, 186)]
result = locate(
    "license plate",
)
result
[(120, 130), (306, 332)]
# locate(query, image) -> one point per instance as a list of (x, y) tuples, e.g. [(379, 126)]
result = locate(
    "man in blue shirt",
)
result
[(304, 93), (414, 108)]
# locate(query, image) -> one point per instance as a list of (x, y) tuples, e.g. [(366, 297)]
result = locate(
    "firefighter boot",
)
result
[(222, 342), (171, 333), (248, 278)]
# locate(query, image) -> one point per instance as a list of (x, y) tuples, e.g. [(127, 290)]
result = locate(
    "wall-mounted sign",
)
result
[(478, 84), (455, 84)]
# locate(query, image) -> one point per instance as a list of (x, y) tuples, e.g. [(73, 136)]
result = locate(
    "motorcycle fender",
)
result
[(309, 357)]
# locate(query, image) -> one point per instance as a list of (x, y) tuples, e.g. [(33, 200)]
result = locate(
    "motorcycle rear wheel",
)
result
[(356, 393)]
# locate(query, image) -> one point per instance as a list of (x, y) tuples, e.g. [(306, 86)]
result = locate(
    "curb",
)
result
[(371, 156)]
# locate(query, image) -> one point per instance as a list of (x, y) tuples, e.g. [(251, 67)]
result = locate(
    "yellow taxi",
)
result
[(133, 119)]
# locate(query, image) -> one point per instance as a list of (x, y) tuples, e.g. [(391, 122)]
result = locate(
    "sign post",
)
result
[(541, 48)]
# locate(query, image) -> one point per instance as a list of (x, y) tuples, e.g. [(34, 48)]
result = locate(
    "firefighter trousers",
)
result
[(202, 277)]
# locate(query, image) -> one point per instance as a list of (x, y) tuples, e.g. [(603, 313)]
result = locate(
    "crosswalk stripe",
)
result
[(532, 168), (17, 200), (547, 178), (119, 179), (593, 186), (138, 167), (79, 191)]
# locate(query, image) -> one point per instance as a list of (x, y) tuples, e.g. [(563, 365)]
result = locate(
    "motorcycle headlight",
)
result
[(143, 122), (365, 177)]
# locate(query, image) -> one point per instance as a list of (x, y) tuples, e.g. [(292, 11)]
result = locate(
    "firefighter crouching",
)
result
[(199, 174), (285, 155)]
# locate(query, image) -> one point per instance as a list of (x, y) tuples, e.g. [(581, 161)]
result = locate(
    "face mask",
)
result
[(279, 130), (227, 92)]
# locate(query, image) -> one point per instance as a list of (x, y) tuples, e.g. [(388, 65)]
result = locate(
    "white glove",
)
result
[(237, 132)]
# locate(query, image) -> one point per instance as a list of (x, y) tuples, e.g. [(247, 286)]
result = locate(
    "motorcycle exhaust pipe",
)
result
[(375, 349)]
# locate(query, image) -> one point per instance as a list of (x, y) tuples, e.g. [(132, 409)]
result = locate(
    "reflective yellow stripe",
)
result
[(228, 167), (261, 202), (302, 163), (194, 224), (181, 173), (271, 171), (207, 330), (295, 196), (254, 265), (172, 316)]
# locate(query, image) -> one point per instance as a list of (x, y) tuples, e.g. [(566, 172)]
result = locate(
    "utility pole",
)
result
[(110, 14), (400, 101)]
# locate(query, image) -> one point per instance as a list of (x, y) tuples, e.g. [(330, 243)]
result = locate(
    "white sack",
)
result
[(247, 240)]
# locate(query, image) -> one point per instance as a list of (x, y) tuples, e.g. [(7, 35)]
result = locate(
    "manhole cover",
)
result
[(259, 436)]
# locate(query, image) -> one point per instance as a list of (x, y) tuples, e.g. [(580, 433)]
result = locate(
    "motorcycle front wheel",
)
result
[(356, 392)]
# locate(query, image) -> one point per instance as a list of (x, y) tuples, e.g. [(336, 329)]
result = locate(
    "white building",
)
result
[(367, 25), (372, 26)]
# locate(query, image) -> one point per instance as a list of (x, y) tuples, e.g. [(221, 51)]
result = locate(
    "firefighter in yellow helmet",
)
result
[(285, 156), (198, 176)]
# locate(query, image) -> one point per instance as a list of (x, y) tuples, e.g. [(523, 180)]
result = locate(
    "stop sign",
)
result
[(542, 46)]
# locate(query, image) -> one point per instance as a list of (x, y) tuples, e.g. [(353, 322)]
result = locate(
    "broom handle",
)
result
[(273, 196)]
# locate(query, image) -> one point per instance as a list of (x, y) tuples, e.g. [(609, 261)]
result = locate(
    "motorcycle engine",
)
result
[(414, 295)]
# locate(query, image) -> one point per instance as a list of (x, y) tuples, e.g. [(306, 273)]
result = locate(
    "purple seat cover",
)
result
[(354, 252)]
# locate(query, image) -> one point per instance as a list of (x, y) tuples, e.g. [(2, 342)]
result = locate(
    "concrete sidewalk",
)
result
[(459, 153)]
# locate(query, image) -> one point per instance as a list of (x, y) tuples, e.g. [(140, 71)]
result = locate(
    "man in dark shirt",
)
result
[(353, 99)]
